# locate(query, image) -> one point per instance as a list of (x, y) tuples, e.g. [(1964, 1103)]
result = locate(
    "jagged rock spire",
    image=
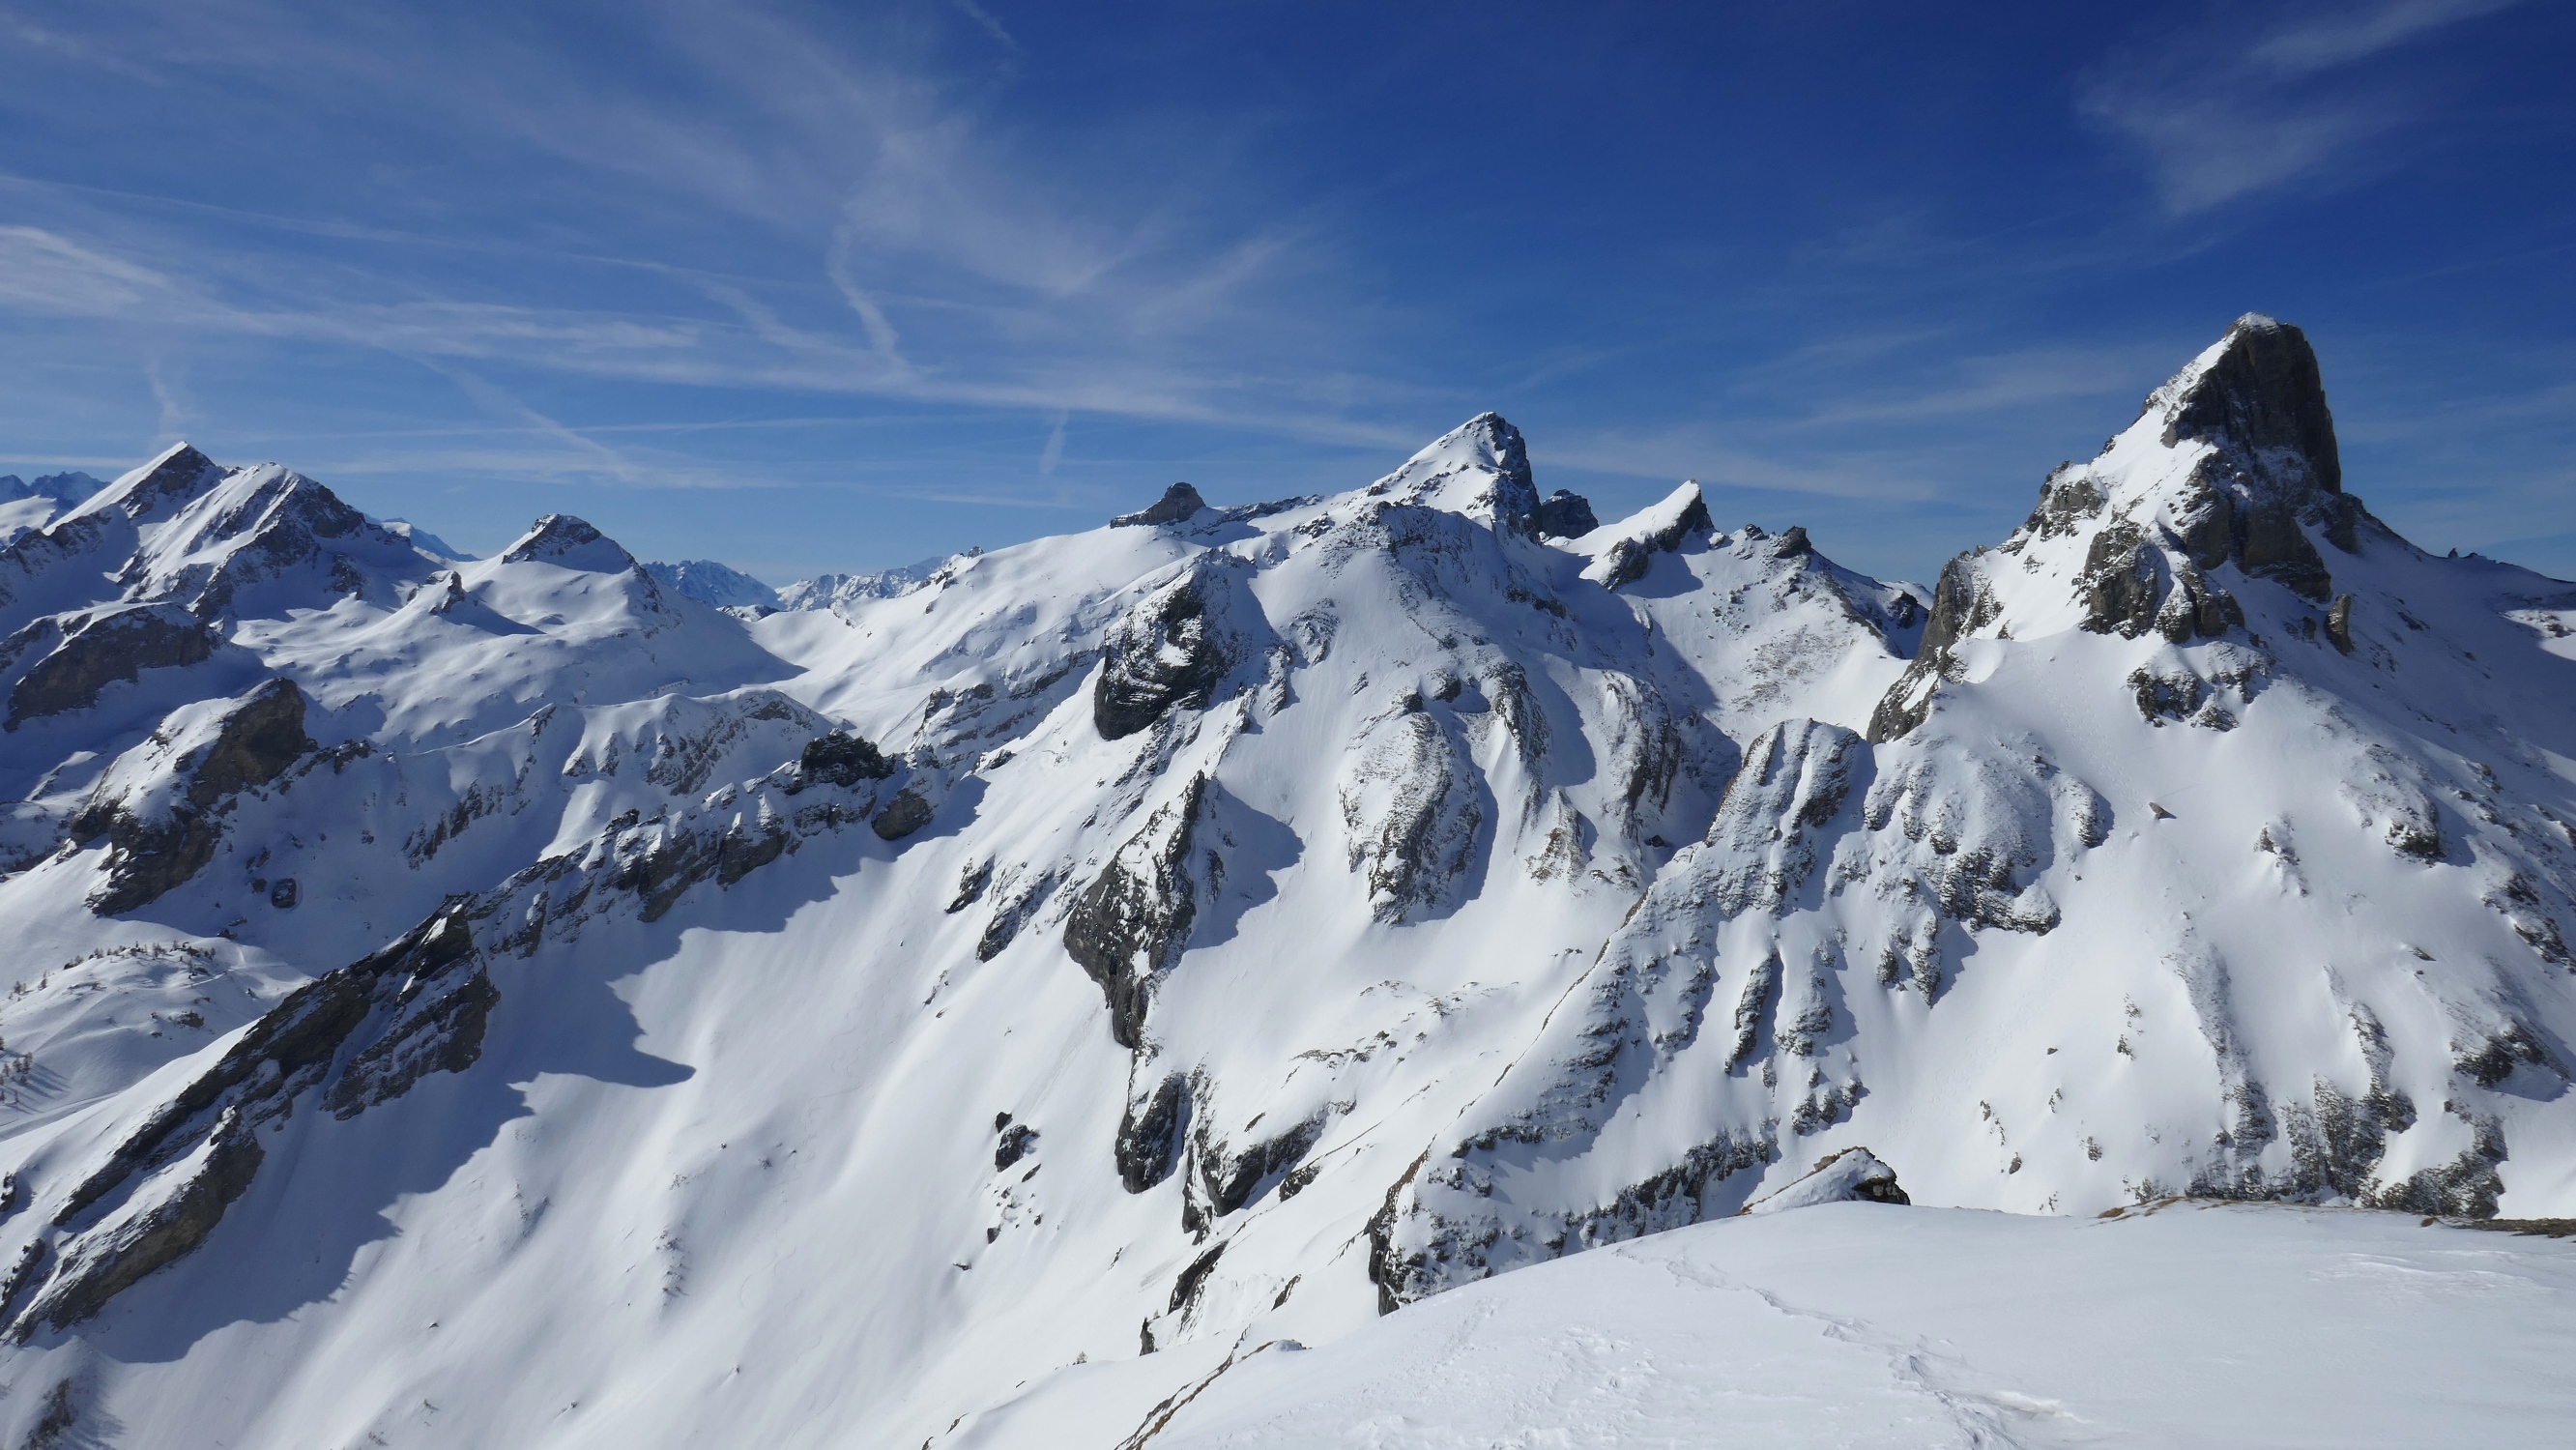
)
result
[(2260, 388)]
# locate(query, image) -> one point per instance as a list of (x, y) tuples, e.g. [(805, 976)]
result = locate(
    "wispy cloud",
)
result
[(925, 252), (2228, 110)]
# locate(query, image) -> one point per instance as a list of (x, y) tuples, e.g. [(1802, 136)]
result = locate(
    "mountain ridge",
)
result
[(1219, 926)]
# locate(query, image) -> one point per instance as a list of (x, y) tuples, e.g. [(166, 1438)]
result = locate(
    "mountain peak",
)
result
[(571, 542), (176, 473), (1479, 468), (2258, 386), (1178, 502)]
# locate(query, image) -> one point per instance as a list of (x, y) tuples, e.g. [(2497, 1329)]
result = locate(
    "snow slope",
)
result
[(27, 504), (1863, 1326), (511, 1001), (709, 582)]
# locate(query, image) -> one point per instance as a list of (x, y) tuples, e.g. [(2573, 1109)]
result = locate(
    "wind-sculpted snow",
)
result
[(510, 1001)]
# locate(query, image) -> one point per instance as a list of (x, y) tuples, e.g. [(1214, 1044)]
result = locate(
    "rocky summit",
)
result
[(555, 1000)]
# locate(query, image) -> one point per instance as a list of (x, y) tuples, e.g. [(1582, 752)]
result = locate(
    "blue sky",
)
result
[(845, 285)]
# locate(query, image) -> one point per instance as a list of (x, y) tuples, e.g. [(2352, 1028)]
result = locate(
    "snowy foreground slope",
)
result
[(512, 1001), (1855, 1325)]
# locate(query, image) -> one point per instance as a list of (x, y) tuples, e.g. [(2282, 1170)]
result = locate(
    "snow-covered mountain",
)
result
[(30, 503), (709, 582), (838, 591), (514, 1001)]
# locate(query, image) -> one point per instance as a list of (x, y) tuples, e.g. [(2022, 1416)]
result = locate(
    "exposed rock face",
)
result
[(1564, 515), (1178, 503), (416, 1007), (571, 542), (107, 649), (1657, 530), (1168, 654), (1230, 1177), (1413, 807), (1794, 780), (1015, 1142), (1853, 1175), (1150, 1133), (840, 758), (1962, 603), (160, 835), (908, 812), (2339, 624), (1132, 921), (2265, 393)]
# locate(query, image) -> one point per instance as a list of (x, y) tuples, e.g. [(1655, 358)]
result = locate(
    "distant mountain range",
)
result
[(549, 999)]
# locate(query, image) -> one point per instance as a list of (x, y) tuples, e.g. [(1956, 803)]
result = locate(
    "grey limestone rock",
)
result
[(908, 812), (1179, 502), (2339, 623), (166, 844), (1130, 924), (1166, 655), (1563, 515), (107, 649), (364, 1034), (839, 758), (1015, 1141), (2264, 392), (1150, 1133)]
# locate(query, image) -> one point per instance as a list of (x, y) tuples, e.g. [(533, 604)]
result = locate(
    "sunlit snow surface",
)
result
[(1856, 1325), (1249, 922)]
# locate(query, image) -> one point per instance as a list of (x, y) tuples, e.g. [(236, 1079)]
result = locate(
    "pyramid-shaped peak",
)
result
[(174, 475), (1494, 441), (2260, 388), (1479, 468), (571, 543)]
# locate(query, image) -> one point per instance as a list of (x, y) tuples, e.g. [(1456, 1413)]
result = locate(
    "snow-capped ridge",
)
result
[(1155, 942), (427, 542), (64, 489), (1479, 469), (710, 582), (1621, 552), (1853, 1175), (570, 542)]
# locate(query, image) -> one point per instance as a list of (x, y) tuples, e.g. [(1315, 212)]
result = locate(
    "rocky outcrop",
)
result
[(1168, 654), (1659, 529), (1413, 805), (1770, 824), (2265, 394), (1012, 1142), (2339, 624), (363, 1034), (1563, 515), (1230, 1177), (1132, 921), (839, 758), (1961, 604), (1150, 1133), (1178, 504), (164, 832), (1853, 1175), (572, 543), (908, 812), (102, 650)]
